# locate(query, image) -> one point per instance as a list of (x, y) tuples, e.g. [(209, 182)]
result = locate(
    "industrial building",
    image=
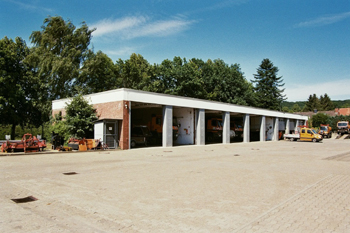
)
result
[(121, 109)]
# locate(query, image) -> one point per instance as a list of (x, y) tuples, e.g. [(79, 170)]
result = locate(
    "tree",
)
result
[(98, 74), (15, 84), (80, 117), (313, 103), (319, 118), (326, 103), (267, 86), (285, 109), (134, 73), (58, 53), (226, 83), (296, 108)]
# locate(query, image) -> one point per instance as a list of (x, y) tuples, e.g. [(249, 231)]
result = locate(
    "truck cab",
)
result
[(309, 135), (325, 131), (343, 127)]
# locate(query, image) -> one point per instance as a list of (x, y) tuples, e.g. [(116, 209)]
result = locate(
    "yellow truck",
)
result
[(304, 134), (325, 131)]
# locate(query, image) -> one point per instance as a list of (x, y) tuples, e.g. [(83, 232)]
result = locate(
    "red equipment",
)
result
[(28, 143)]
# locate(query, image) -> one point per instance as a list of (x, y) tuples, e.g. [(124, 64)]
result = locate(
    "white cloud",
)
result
[(141, 26), (30, 6), (161, 28), (122, 51), (325, 20), (108, 26), (336, 90)]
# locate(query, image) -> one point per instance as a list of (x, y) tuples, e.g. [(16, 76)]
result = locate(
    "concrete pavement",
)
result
[(242, 187)]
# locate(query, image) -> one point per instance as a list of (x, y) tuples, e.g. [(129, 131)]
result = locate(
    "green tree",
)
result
[(16, 92), (80, 117), (267, 86), (296, 108), (59, 126), (285, 109), (58, 53), (163, 80), (326, 103), (188, 78), (98, 74), (313, 103), (226, 83), (134, 73), (319, 118)]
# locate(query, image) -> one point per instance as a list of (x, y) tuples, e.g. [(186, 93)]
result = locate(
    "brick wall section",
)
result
[(124, 133), (110, 110)]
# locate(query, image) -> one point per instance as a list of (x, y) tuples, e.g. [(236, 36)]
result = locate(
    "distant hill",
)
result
[(337, 104)]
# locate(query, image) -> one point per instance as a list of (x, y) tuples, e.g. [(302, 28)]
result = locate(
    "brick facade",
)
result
[(112, 110)]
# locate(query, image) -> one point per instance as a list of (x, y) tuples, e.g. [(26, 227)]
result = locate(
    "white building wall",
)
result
[(185, 117), (98, 130), (269, 128)]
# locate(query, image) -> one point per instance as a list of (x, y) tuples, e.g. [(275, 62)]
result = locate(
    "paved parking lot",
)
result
[(241, 187)]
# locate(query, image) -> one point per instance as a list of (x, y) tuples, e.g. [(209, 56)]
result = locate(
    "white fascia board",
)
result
[(96, 98), (171, 100), (163, 99)]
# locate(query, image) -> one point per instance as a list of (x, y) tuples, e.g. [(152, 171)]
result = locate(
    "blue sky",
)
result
[(308, 40)]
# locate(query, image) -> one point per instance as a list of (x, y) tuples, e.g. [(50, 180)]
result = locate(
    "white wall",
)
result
[(98, 130), (185, 117), (269, 128)]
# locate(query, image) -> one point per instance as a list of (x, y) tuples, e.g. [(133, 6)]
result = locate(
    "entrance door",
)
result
[(111, 134)]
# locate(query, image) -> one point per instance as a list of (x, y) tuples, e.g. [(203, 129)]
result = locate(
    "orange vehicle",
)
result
[(28, 143), (325, 131), (213, 129), (156, 127)]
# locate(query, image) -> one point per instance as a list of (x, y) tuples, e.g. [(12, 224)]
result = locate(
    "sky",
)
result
[(308, 40)]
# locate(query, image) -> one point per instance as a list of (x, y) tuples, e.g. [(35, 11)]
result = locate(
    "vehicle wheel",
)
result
[(133, 144), (314, 140)]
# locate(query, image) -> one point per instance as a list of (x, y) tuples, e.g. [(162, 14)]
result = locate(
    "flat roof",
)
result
[(172, 100)]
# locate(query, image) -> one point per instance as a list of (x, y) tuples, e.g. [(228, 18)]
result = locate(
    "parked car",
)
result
[(140, 135)]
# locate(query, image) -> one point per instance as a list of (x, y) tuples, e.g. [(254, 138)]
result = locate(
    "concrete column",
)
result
[(276, 129), (167, 126), (246, 129), (296, 125), (200, 127), (287, 131), (263, 129), (226, 127)]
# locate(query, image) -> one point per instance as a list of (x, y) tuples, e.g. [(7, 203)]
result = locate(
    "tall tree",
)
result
[(267, 86), (15, 84), (312, 104), (59, 51), (134, 73), (98, 73), (226, 83), (326, 103)]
